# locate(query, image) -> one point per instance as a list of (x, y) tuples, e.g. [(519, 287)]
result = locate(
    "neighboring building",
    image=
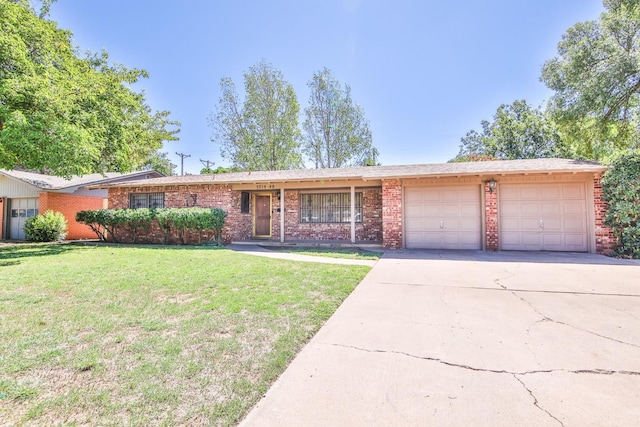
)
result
[(25, 194), (535, 205)]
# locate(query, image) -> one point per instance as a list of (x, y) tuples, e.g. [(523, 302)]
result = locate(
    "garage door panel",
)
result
[(510, 224), (529, 193), (415, 225), (553, 224), (469, 224), (446, 218), (510, 209), (450, 210), (575, 240), (575, 224), (550, 192), (575, 191), (551, 208), (414, 211), (529, 224), (559, 207), (573, 207)]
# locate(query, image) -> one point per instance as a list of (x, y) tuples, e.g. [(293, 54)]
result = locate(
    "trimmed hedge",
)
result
[(154, 225), (621, 191)]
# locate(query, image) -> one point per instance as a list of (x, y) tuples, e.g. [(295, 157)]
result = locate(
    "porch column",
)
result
[(282, 215), (353, 214)]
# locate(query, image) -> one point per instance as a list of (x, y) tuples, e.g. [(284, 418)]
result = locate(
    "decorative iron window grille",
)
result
[(244, 202), (329, 207), (146, 200)]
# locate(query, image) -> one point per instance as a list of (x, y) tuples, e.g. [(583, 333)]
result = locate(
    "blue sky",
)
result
[(425, 72)]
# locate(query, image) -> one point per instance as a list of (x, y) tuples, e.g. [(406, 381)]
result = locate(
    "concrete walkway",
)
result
[(260, 251), (472, 338)]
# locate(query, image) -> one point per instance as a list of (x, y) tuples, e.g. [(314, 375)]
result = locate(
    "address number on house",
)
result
[(265, 187)]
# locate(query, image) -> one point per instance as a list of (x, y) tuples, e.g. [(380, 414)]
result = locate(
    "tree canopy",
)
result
[(160, 162), (336, 133), (262, 132), (596, 80), (518, 131), (64, 114)]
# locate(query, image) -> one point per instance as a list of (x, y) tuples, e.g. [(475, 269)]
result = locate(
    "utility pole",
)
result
[(207, 163), (182, 156)]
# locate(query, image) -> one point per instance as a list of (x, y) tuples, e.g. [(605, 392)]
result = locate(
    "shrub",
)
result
[(47, 227), (621, 191), (140, 222)]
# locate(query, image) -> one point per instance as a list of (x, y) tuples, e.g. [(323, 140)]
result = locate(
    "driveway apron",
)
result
[(472, 338)]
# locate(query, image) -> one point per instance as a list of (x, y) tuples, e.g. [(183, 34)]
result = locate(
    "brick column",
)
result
[(491, 217), (605, 239), (392, 214)]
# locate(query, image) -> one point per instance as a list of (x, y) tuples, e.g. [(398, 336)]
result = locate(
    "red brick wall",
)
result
[(392, 214), (69, 205), (370, 229), (491, 218), (605, 239), (239, 226)]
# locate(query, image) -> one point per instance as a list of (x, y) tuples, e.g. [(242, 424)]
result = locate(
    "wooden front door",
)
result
[(263, 216)]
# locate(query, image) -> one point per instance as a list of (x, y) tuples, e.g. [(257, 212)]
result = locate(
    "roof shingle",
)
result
[(381, 172)]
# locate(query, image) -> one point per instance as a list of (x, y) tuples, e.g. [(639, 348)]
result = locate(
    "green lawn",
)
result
[(117, 335)]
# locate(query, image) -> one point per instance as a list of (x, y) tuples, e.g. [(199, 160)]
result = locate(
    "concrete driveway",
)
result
[(472, 338)]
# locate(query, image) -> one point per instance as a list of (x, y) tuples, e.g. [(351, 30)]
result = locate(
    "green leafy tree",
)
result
[(518, 131), (596, 79), (336, 133), (262, 132), (219, 169), (621, 191), (64, 114), (160, 162)]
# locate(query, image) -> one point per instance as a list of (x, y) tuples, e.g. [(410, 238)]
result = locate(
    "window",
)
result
[(244, 202), (146, 200), (329, 207)]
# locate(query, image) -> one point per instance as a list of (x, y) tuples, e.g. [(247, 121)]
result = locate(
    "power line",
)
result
[(207, 163), (182, 156)]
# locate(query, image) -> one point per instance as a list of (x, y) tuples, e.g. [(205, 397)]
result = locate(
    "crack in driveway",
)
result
[(535, 401), (546, 318), (493, 371)]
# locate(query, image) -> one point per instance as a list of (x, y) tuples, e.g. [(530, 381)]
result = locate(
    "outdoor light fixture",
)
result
[(492, 185)]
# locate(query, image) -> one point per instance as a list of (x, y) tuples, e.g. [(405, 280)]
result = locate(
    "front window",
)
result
[(329, 207), (146, 200)]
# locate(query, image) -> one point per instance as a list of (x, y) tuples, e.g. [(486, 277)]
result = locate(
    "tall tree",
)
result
[(65, 114), (262, 132), (160, 162), (336, 133), (596, 79), (518, 131)]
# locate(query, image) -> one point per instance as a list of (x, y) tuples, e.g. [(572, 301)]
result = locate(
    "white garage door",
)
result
[(443, 217), (543, 217), (21, 209)]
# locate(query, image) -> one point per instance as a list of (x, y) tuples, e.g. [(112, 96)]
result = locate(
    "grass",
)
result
[(112, 335), (345, 253)]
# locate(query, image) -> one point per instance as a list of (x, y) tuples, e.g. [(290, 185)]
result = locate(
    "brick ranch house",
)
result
[(25, 194), (532, 205)]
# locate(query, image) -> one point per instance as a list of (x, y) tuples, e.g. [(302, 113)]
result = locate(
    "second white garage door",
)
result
[(543, 217), (443, 217)]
